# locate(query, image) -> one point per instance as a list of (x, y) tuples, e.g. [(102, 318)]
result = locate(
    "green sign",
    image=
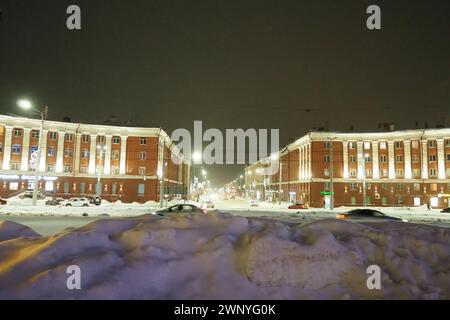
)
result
[(326, 193)]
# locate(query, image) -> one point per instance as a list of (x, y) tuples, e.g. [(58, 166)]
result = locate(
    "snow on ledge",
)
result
[(220, 256)]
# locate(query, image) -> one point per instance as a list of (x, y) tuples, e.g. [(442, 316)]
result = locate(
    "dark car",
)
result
[(366, 214), (54, 202), (3, 202), (298, 205), (179, 209), (446, 210)]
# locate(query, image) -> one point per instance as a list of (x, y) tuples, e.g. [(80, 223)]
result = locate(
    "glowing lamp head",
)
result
[(24, 104)]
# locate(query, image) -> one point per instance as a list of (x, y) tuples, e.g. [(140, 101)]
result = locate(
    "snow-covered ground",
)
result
[(221, 256)]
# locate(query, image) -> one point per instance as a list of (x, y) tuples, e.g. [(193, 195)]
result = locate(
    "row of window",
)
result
[(433, 187), (383, 144), (84, 188), (53, 135), (398, 173), (415, 158)]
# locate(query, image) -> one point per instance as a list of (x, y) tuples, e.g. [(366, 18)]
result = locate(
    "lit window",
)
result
[(49, 185), (366, 145), (115, 154), (16, 148), (383, 145), (383, 173), (141, 189), (51, 151), (326, 172), (433, 187), (415, 144), (114, 169), (352, 145), (13, 185), (68, 152)]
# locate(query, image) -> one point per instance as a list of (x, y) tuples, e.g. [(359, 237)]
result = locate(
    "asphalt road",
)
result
[(46, 226)]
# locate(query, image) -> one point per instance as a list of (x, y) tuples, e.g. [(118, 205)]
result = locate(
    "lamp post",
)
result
[(102, 150), (27, 105), (196, 159)]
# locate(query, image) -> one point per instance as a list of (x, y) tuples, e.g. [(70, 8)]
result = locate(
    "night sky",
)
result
[(232, 64)]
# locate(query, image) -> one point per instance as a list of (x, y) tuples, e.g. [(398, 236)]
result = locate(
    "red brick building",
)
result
[(130, 160), (398, 168)]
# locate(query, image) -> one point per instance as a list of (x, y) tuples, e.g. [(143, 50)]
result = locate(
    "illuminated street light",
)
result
[(27, 105)]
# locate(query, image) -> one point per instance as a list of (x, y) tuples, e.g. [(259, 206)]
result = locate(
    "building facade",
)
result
[(129, 161), (398, 168)]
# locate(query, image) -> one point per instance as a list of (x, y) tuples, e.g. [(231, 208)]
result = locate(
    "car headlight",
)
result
[(404, 220)]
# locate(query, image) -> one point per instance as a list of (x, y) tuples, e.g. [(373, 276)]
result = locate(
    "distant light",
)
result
[(274, 156), (204, 172), (241, 176), (196, 156), (24, 104)]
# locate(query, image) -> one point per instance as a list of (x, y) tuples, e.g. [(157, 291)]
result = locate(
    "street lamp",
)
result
[(102, 150), (27, 105)]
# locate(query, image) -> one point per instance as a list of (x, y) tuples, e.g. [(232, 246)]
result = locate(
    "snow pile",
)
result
[(219, 256), (12, 230)]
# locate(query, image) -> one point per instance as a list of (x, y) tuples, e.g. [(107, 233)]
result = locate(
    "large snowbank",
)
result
[(219, 256)]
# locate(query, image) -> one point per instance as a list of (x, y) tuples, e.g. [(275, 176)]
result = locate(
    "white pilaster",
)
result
[(375, 165), (43, 151), (7, 148), (107, 166), (77, 152), (308, 164), (345, 159), (407, 148), (123, 154), (60, 152), (391, 159), (440, 158), (300, 163), (360, 155), (92, 153), (424, 159), (25, 149)]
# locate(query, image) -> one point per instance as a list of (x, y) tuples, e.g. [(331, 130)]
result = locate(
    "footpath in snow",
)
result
[(220, 256)]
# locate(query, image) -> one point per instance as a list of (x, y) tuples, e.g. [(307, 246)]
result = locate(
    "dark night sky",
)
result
[(232, 64)]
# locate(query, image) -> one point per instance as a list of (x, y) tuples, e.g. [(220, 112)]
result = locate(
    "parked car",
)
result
[(446, 210), (95, 200), (207, 205), (3, 202), (180, 209), (367, 214), (54, 202), (299, 205), (77, 202)]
